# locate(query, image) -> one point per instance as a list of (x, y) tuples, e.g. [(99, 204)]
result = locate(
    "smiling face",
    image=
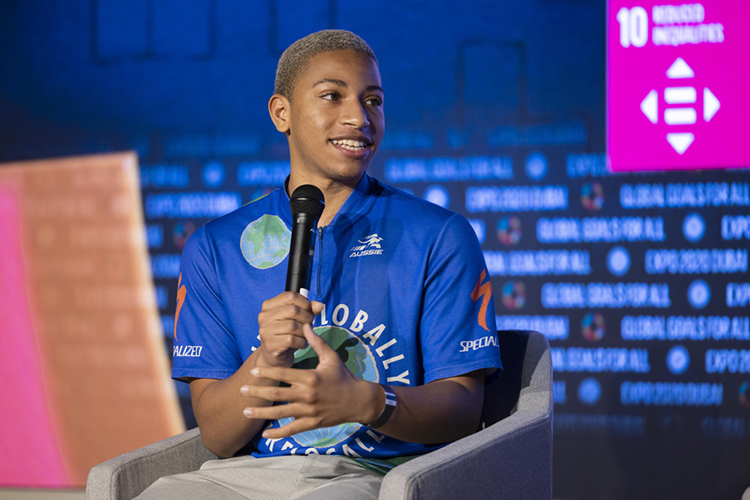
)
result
[(334, 121)]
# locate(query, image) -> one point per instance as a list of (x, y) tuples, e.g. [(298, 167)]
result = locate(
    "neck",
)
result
[(334, 192)]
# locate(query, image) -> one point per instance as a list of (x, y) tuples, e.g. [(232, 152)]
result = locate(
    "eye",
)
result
[(374, 101), (331, 96)]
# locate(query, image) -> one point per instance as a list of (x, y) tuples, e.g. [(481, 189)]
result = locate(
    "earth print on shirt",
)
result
[(265, 242)]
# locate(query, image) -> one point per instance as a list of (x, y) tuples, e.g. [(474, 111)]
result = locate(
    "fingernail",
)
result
[(254, 372), (248, 412), (245, 390), (265, 434)]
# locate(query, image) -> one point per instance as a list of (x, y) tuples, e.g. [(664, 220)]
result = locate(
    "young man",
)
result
[(386, 360)]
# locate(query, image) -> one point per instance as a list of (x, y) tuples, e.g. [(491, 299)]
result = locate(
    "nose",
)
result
[(355, 114)]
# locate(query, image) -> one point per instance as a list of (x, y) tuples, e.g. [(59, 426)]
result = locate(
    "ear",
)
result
[(280, 110)]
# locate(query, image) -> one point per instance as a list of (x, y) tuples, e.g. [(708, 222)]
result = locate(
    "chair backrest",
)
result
[(527, 370)]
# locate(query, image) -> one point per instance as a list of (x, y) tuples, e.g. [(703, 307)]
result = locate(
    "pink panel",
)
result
[(678, 75), (28, 450)]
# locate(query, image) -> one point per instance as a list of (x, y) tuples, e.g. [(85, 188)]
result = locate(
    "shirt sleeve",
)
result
[(204, 344), (458, 333)]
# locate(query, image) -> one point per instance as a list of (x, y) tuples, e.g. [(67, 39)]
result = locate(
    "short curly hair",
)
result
[(293, 62)]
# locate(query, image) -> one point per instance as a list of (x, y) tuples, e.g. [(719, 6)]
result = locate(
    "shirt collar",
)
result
[(357, 203)]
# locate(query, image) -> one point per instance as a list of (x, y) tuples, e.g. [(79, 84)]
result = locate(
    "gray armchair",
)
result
[(510, 458)]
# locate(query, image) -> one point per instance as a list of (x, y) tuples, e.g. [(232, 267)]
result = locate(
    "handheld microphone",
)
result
[(307, 204)]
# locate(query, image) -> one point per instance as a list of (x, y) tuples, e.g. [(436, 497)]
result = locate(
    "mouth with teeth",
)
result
[(350, 145)]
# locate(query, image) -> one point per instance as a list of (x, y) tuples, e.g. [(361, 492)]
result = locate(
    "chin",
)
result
[(349, 174)]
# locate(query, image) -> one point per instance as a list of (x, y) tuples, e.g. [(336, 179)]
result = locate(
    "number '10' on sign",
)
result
[(633, 26)]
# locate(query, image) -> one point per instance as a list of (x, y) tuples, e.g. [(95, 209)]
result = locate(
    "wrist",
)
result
[(373, 404)]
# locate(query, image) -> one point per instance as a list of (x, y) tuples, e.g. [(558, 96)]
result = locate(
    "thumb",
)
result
[(317, 307), (321, 348)]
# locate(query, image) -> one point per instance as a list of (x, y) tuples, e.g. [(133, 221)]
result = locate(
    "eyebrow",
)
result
[(342, 83)]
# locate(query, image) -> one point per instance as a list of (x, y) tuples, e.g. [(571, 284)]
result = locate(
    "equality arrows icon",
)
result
[(680, 141)]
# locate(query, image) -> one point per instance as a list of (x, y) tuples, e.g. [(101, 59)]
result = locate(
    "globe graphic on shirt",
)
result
[(357, 358), (265, 242)]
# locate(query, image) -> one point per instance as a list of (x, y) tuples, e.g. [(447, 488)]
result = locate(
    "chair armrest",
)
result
[(126, 476), (517, 451)]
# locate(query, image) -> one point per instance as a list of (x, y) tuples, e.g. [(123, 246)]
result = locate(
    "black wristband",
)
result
[(390, 405)]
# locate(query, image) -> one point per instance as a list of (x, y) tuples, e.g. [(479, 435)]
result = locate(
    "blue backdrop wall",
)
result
[(494, 109)]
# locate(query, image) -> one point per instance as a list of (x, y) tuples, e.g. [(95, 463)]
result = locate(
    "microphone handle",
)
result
[(301, 252)]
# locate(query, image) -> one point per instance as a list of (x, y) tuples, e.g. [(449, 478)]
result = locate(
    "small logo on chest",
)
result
[(369, 246)]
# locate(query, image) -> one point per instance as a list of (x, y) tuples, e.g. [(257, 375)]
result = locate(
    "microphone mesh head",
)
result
[(307, 199)]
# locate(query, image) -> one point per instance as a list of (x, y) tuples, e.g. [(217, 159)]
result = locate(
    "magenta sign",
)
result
[(678, 85)]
